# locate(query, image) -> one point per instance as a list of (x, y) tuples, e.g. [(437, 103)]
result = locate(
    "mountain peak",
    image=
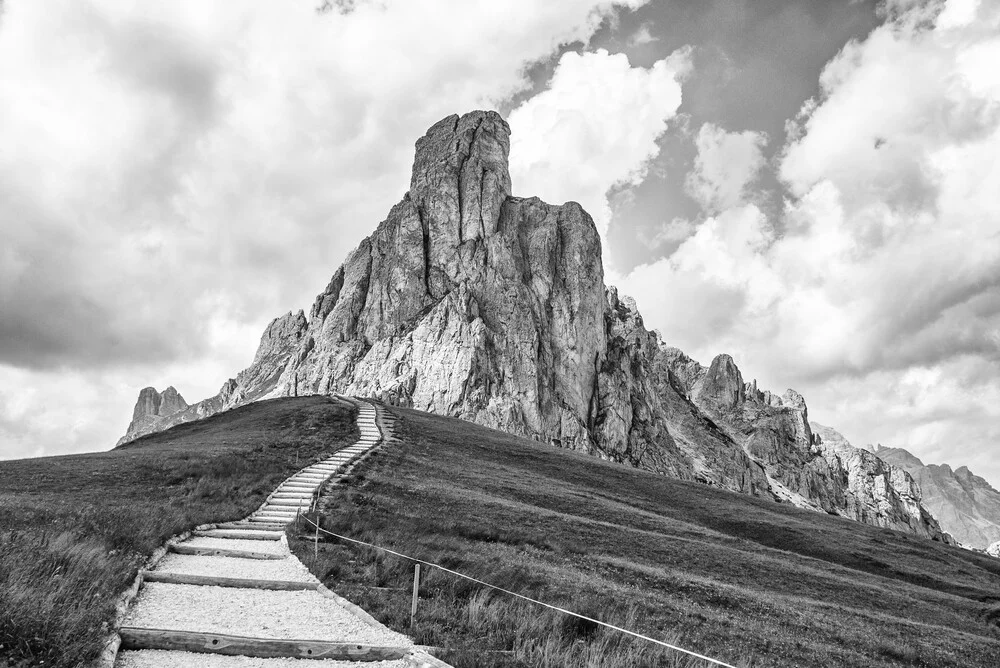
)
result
[(469, 302), (154, 403), (723, 383), (461, 177)]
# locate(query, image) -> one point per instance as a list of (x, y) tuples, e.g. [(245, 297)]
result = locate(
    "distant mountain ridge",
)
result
[(472, 303), (965, 504)]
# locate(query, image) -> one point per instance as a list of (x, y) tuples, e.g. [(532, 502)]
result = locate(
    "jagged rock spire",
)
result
[(461, 178), (469, 302)]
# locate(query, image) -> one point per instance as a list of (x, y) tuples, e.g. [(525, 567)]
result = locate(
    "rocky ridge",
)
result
[(470, 302), (965, 504), (805, 464)]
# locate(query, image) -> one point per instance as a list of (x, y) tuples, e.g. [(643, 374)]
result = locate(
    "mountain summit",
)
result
[(472, 303)]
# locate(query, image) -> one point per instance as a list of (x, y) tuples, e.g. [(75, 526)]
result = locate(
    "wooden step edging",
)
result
[(224, 552), (167, 577), (265, 648), (233, 534), (260, 526)]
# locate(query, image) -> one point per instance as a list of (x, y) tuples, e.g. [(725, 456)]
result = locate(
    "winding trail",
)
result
[(233, 594)]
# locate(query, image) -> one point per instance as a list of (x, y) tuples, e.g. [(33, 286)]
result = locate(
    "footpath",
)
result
[(233, 594)]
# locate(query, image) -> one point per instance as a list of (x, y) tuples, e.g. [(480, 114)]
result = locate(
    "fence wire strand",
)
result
[(521, 596)]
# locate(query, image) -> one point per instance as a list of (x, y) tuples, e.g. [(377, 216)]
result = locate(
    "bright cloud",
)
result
[(726, 165), (174, 175), (882, 271), (594, 128)]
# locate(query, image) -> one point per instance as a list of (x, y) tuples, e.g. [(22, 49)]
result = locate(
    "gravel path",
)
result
[(156, 658), (269, 546), (257, 613), (249, 612), (249, 569)]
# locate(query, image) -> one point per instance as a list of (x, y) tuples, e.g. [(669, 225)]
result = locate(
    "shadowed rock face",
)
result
[(469, 302), (965, 504)]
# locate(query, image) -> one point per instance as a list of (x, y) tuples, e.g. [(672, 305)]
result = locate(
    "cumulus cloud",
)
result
[(880, 276), (177, 171), (594, 128), (195, 147), (726, 165)]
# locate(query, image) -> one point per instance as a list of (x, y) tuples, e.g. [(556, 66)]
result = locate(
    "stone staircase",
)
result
[(233, 594)]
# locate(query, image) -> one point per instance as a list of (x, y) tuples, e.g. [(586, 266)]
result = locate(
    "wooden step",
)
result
[(216, 581), (220, 643), (246, 524), (249, 534), (271, 518), (181, 548)]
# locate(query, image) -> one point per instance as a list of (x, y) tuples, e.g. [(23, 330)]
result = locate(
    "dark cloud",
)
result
[(755, 63)]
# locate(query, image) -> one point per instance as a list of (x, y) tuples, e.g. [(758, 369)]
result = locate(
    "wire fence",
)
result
[(429, 564)]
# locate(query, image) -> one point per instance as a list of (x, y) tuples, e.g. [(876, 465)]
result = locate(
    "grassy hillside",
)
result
[(75, 529), (745, 580)]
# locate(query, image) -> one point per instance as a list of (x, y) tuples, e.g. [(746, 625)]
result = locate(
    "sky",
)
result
[(808, 185)]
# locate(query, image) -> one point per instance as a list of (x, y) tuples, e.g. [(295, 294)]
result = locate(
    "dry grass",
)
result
[(74, 530), (748, 581)]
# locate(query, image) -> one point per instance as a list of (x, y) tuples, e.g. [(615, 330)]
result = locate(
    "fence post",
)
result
[(416, 594), (316, 544)]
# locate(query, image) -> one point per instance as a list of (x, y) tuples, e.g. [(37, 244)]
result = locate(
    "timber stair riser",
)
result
[(216, 581), (258, 525), (224, 552), (219, 643), (235, 534)]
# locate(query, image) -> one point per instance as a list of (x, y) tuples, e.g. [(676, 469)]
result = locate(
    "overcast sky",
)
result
[(809, 185)]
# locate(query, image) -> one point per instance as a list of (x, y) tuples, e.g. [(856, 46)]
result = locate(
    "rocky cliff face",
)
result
[(877, 492), (805, 464), (151, 409), (965, 504), (469, 302)]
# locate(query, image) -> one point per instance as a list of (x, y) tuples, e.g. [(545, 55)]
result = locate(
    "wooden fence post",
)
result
[(416, 594), (316, 544)]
